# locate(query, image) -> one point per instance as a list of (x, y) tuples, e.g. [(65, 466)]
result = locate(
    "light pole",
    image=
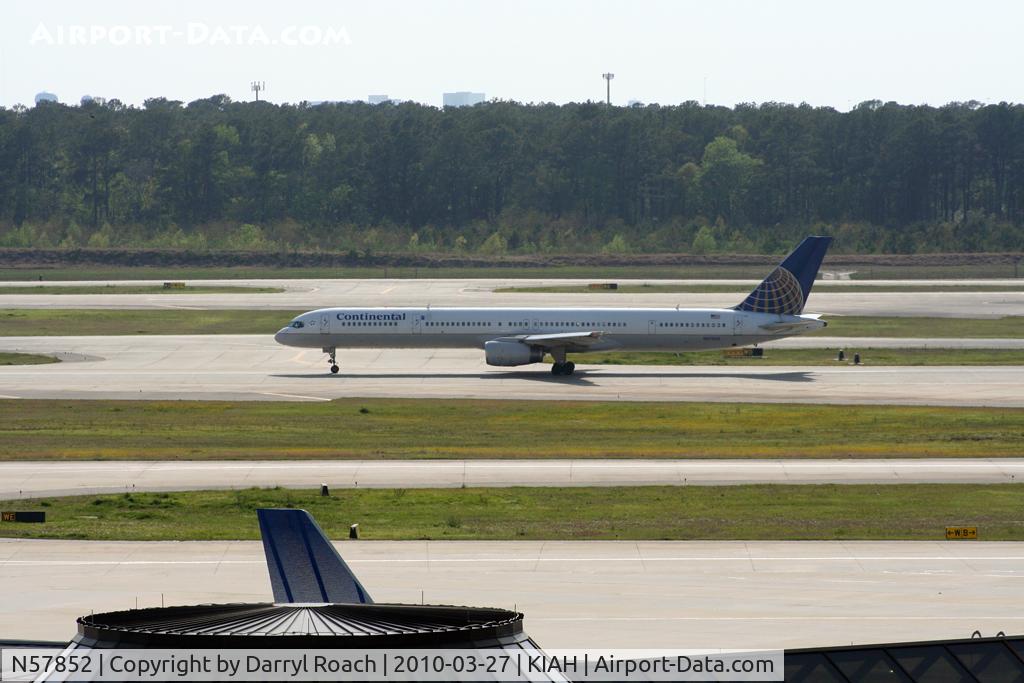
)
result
[(608, 77)]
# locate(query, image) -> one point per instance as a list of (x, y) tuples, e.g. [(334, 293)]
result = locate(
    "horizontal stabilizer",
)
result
[(786, 327), (803, 322), (303, 563)]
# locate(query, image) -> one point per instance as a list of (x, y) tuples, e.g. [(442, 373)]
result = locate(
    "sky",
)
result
[(824, 53)]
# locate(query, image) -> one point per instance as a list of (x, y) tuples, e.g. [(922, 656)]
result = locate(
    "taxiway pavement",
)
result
[(36, 479), (244, 367), (309, 294), (668, 594)]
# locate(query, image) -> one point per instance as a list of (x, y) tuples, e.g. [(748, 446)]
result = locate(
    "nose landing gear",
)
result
[(331, 351)]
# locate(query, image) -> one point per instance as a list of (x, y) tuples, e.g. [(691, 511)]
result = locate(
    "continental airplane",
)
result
[(520, 336)]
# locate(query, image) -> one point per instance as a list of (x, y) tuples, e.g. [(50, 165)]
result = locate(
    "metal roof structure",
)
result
[(270, 625), (973, 660)]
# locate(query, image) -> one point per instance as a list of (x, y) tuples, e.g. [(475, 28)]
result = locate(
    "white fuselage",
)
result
[(639, 329)]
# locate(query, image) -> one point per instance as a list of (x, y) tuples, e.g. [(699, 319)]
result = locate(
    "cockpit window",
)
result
[(298, 324)]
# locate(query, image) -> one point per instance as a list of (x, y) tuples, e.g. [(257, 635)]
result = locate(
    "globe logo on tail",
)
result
[(779, 293)]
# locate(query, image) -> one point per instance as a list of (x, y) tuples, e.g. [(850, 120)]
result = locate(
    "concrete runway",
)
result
[(309, 294), (575, 594), (855, 343), (36, 479), (255, 368)]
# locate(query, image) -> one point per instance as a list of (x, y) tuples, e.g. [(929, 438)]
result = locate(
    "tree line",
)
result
[(504, 177)]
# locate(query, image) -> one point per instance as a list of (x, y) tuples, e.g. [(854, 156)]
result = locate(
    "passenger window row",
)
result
[(576, 324), (520, 324), (691, 324), (469, 323)]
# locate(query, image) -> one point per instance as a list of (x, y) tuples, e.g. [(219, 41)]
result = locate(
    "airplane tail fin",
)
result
[(303, 563), (786, 289)]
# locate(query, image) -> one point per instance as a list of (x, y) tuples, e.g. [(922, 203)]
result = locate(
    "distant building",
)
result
[(46, 97), (463, 98), (86, 99), (379, 99), (635, 103)]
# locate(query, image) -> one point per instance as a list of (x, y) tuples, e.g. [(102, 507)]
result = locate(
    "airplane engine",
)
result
[(506, 353)]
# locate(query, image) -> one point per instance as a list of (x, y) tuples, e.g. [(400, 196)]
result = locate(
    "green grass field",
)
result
[(47, 322), (764, 512), (744, 289), (815, 357), (7, 358), (137, 289), (410, 428), (1009, 327), (51, 322)]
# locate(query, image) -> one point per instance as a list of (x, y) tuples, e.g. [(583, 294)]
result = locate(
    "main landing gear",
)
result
[(561, 366), (331, 351), (566, 368)]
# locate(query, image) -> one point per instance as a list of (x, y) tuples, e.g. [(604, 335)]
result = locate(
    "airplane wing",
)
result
[(583, 339)]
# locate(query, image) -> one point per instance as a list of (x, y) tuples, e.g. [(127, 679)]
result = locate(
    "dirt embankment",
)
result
[(37, 258)]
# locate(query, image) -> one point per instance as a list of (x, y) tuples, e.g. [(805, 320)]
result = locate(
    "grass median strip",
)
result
[(56, 322), (816, 357), (1008, 327), (138, 289), (25, 359), (761, 512), (409, 428), (15, 322)]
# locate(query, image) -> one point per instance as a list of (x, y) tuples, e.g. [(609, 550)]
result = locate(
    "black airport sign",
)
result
[(37, 517)]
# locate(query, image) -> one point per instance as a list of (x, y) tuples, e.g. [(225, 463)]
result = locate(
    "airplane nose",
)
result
[(282, 336)]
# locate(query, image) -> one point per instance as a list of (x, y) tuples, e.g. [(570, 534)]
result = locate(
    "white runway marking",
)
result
[(556, 464), (815, 618), (307, 398), (532, 560), (119, 563), (157, 304)]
